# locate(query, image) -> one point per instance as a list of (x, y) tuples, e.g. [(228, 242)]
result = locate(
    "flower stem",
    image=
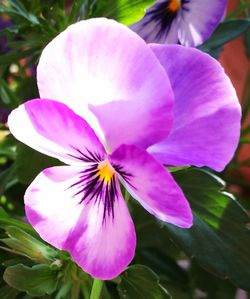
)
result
[(96, 289)]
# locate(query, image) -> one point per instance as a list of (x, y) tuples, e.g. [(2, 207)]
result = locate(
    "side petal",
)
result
[(55, 130), (207, 113), (152, 185), (108, 75), (55, 209), (199, 19)]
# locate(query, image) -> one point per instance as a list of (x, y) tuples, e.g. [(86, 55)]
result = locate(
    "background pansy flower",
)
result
[(110, 112), (188, 22)]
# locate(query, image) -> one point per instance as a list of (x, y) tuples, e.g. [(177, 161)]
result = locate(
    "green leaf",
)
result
[(29, 163), (224, 33), (36, 281), (8, 147), (140, 282), (214, 287), (6, 220), (219, 239), (7, 96), (124, 11), (26, 245), (15, 56), (131, 11), (7, 292), (162, 264), (17, 8)]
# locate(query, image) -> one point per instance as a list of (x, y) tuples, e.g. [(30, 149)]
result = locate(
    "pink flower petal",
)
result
[(103, 248), (101, 69), (207, 113), (55, 130), (152, 185)]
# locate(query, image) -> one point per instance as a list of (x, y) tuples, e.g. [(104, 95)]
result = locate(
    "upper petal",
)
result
[(108, 75), (207, 113), (55, 209), (159, 25), (152, 185), (199, 19), (55, 130)]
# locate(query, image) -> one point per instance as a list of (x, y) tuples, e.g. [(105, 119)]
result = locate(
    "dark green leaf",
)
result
[(29, 163), (7, 292), (25, 244), (214, 287), (6, 177), (6, 220), (219, 239), (140, 282), (225, 32), (37, 281), (162, 264), (7, 96), (15, 56)]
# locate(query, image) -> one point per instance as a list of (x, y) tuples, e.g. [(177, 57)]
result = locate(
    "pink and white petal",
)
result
[(108, 75), (152, 185), (101, 248), (207, 113), (55, 130), (50, 204), (199, 19)]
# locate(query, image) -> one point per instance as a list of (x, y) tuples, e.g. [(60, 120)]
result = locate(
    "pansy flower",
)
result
[(188, 22), (114, 109)]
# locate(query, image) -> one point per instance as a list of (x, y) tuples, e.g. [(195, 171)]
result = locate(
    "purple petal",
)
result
[(151, 184), (55, 130), (190, 25), (207, 113), (199, 19), (102, 69), (55, 209), (158, 25)]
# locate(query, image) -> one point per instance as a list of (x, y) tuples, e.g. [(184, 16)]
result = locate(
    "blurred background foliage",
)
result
[(210, 261)]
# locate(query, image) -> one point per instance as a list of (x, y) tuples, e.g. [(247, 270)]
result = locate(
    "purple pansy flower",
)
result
[(110, 111), (188, 22)]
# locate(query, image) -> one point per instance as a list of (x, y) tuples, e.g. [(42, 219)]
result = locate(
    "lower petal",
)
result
[(101, 247), (151, 184)]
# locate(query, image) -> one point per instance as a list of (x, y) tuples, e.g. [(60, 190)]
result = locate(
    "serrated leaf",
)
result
[(140, 282), (37, 280), (219, 239)]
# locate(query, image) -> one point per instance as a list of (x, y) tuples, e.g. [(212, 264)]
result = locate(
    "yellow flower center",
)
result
[(174, 5), (106, 171)]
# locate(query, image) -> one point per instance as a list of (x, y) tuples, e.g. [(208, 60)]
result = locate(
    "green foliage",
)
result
[(124, 11), (169, 262), (219, 239), (29, 163), (224, 33), (36, 281), (140, 282)]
